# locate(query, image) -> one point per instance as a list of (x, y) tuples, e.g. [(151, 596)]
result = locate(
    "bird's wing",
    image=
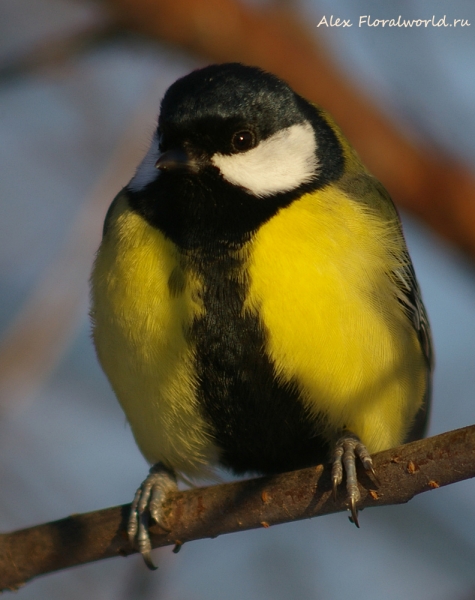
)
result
[(409, 295)]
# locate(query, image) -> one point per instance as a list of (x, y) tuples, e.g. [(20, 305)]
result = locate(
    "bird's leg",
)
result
[(148, 501), (347, 449)]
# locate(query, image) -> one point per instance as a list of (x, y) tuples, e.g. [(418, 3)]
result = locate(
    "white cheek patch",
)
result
[(146, 171), (280, 163)]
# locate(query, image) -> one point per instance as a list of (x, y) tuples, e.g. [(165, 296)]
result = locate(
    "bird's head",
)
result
[(233, 145)]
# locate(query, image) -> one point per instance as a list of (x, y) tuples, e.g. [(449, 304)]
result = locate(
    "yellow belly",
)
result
[(318, 283)]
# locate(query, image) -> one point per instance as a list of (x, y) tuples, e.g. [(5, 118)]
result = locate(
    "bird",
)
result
[(253, 302)]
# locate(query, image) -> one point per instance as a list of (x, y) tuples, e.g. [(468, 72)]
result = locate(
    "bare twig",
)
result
[(208, 512)]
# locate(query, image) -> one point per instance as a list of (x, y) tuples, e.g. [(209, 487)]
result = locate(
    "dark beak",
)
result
[(176, 159)]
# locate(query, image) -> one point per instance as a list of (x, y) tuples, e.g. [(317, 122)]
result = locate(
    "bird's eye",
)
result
[(243, 140)]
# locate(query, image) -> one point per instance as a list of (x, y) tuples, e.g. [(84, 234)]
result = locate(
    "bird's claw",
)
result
[(148, 501), (353, 511), (347, 449)]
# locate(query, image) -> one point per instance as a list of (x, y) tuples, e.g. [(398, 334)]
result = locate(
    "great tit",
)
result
[(254, 305)]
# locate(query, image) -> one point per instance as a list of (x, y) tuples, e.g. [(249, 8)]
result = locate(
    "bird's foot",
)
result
[(347, 449), (148, 502)]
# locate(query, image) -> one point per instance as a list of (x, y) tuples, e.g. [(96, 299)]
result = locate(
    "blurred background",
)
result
[(80, 86)]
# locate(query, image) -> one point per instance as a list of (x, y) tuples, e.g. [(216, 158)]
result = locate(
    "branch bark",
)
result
[(211, 511)]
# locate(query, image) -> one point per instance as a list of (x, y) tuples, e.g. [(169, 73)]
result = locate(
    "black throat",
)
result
[(204, 212)]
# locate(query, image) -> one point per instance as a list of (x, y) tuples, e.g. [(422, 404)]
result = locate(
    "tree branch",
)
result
[(211, 511)]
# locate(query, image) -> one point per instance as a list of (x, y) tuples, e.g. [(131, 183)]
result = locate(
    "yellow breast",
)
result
[(319, 281), (143, 302)]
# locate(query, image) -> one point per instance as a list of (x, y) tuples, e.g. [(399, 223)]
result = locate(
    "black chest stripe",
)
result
[(259, 423)]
